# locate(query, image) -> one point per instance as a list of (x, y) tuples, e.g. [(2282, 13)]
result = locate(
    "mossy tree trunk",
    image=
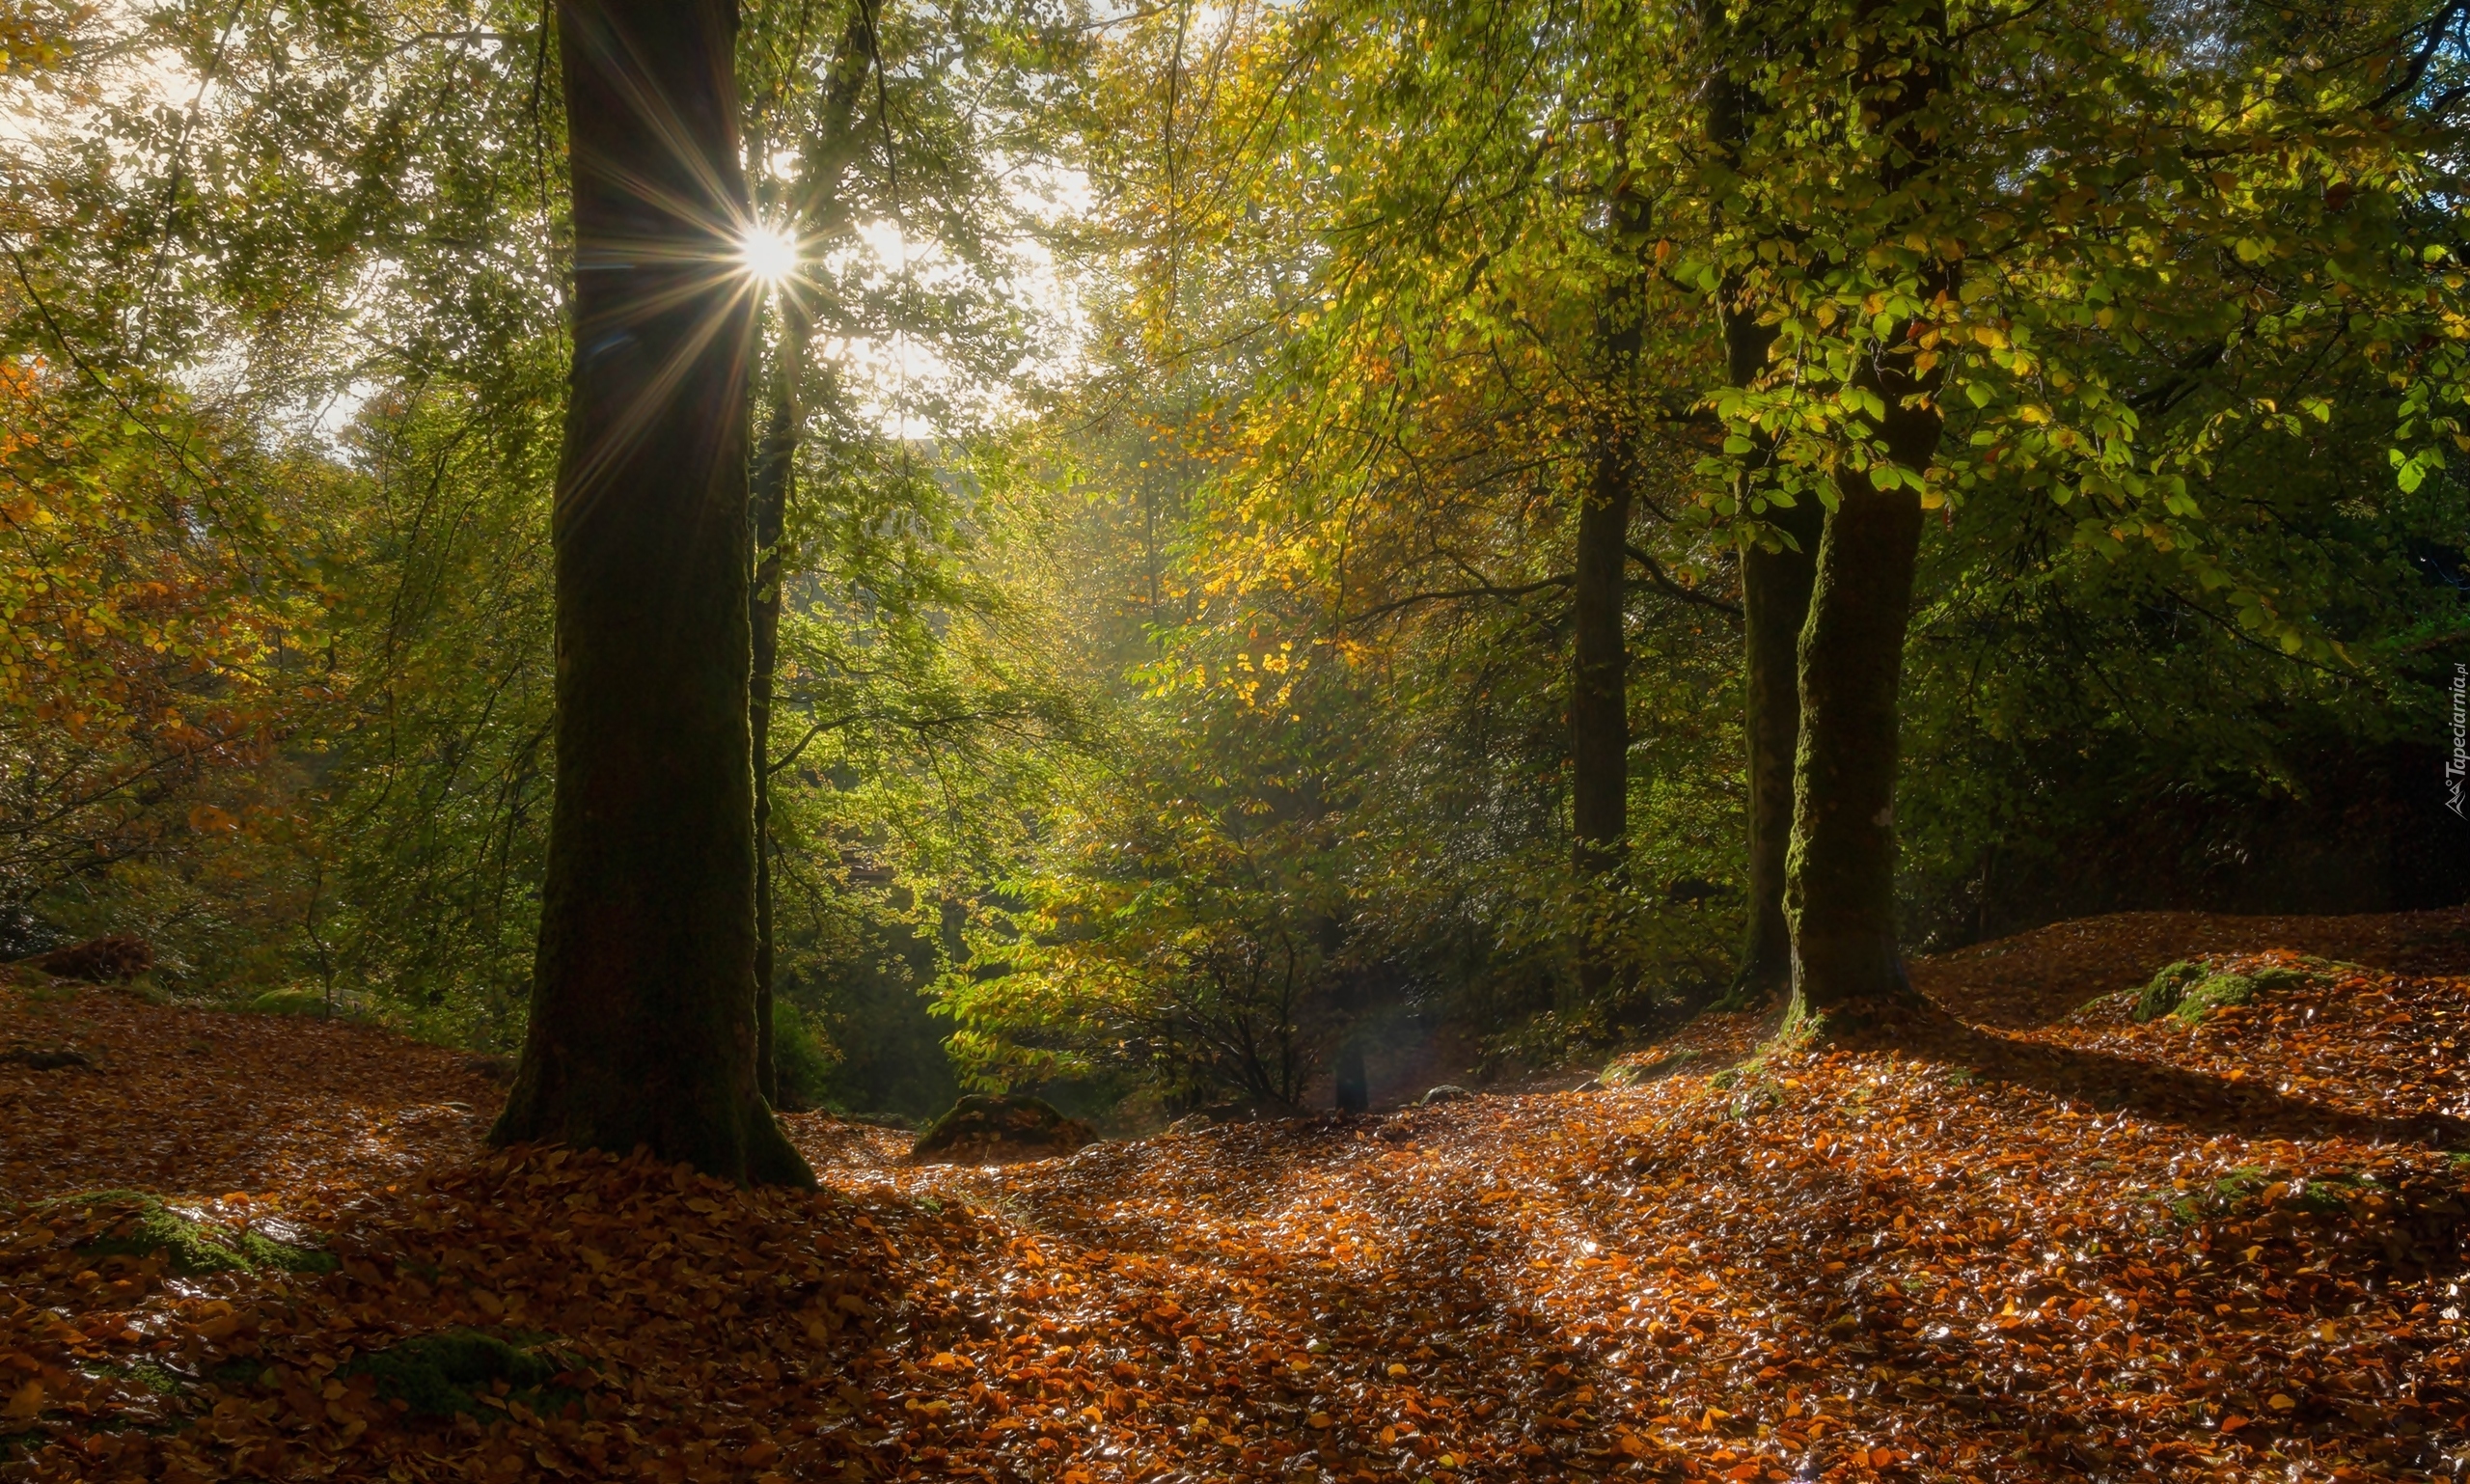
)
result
[(1776, 575), (1775, 587), (642, 1027), (1840, 893), (1841, 870)]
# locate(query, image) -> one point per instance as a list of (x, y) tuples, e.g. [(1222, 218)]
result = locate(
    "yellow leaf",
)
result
[(27, 1401), (2279, 1402)]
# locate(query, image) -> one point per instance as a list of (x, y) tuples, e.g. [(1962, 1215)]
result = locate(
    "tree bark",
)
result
[(1841, 887), (1774, 584), (643, 1028), (822, 208), (1599, 710), (774, 473), (1600, 657), (1775, 603), (1841, 890)]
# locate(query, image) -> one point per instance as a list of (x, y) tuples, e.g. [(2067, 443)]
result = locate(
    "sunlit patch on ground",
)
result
[(2085, 1247)]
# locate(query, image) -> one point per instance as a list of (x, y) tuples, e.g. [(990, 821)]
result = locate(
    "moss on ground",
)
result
[(2193, 988), (443, 1374), (149, 1227), (1632, 1074)]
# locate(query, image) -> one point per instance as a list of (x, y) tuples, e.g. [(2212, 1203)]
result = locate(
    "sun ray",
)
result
[(768, 254)]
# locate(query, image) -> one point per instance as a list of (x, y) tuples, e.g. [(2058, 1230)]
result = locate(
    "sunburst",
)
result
[(769, 255)]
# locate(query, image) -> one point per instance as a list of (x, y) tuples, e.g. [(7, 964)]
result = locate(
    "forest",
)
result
[(1341, 740)]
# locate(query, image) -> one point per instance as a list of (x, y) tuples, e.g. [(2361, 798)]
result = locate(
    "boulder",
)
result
[(1447, 1092), (449, 1373), (113, 960), (983, 1130), (47, 1058)]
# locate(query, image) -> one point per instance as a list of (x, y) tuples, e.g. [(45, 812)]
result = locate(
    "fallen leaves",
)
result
[(2025, 1260)]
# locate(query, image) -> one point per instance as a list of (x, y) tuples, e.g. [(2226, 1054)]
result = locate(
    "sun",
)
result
[(768, 254)]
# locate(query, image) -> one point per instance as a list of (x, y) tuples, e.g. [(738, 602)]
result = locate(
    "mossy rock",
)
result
[(2168, 987), (440, 1375), (2191, 989), (110, 960), (981, 1129), (147, 1228), (2212, 993)]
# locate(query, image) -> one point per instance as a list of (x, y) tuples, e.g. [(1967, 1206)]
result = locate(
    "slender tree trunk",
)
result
[(1354, 1088), (1775, 603), (642, 1027), (774, 471), (1774, 584), (1600, 657), (1840, 891), (822, 208)]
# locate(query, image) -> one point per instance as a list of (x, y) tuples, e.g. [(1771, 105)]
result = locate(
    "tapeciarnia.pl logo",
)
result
[(2458, 764)]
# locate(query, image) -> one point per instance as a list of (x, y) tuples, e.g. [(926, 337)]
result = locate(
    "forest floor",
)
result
[(2061, 1245)]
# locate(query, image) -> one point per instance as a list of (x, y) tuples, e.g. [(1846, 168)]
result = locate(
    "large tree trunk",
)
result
[(1840, 891), (642, 1027), (1599, 655), (1599, 706)]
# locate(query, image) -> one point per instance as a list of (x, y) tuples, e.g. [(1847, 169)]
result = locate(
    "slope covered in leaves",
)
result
[(2094, 1247)]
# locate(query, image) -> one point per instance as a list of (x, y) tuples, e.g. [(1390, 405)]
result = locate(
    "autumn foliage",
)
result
[(2072, 1245)]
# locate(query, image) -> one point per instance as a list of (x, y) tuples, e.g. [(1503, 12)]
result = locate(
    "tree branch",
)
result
[(1662, 581)]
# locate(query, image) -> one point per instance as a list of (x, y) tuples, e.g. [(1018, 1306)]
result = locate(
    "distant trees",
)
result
[(1943, 301), (1399, 599), (2106, 266)]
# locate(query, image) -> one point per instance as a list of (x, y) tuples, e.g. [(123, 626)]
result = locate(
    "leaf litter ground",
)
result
[(2055, 1244)]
